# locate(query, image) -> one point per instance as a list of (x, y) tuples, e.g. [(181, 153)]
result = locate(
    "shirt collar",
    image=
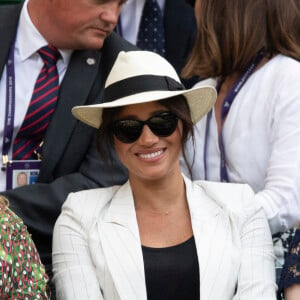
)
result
[(28, 32)]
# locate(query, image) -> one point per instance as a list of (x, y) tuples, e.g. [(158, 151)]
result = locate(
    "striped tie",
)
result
[(41, 107)]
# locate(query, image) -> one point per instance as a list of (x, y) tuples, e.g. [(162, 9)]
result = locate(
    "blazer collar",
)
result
[(122, 210), (119, 234), (215, 235)]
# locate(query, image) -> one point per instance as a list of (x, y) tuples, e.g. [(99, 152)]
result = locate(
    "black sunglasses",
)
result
[(191, 2), (129, 130)]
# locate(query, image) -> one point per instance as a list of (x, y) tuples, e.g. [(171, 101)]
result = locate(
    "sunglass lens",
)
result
[(127, 131), (163, 124)]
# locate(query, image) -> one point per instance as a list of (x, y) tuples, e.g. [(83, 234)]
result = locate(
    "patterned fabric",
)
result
[(282, 243), (291, 269), (41, 107), (151, 31), (22, 275)]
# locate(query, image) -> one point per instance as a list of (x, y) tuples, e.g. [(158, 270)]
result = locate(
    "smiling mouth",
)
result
[(150, 155)]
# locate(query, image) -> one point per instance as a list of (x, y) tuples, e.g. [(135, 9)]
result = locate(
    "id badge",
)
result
[(21, 172)]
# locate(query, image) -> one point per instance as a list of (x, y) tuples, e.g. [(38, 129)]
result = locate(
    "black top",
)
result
[(172, 272)]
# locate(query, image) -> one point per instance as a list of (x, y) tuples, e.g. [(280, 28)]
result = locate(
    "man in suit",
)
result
[(81, 30), (179, 26)]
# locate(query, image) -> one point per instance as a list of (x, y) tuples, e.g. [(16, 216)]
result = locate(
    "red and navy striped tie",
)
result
[(41, 107)]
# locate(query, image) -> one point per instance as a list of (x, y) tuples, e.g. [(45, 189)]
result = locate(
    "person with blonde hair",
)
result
[(22, 275)]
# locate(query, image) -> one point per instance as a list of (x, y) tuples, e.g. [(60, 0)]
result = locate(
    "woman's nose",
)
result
[(147, 137)]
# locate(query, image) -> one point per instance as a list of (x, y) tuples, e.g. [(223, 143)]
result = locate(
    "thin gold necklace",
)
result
[(155, 212)]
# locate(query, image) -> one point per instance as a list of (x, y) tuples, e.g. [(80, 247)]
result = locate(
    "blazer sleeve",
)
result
[(74, 272), (256, 279)]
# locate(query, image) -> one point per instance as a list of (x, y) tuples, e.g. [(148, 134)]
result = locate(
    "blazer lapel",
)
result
[(9, 23), (74, 90), (213, 237), (119, 234), (216, 238)]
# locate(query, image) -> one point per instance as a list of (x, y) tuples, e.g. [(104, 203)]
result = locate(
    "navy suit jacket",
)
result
[(180, 34), (70, 160)]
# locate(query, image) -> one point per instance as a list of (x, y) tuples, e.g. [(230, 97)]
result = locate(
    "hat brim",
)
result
[(200, 101)]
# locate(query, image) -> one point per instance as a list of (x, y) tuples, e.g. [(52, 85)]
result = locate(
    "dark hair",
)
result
[(284, 27), (232, 32), (177, 105)]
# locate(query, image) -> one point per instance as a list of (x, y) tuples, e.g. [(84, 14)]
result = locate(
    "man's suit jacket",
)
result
[(70, 161), (97, 249), (180, 34)]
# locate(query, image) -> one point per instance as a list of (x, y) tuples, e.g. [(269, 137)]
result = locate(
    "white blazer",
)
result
[(97, 250)]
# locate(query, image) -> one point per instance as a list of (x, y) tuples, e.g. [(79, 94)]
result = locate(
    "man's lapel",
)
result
[(74, 90)]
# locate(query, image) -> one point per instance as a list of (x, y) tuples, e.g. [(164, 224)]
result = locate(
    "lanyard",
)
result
[(9, 107), (225, 110)]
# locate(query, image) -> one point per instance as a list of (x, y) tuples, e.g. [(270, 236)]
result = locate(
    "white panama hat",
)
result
[(144, 76)]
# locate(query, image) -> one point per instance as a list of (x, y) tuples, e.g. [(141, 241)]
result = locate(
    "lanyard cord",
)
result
[(9, 106), (225, 110)]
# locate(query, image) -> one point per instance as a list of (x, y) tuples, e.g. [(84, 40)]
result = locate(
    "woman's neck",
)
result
[(162, 195)]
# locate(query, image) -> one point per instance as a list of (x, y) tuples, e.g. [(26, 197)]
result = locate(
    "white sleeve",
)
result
[(256, 279), (74, 273), (281, 196)]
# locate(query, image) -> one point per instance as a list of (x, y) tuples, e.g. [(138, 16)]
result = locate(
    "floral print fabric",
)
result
[(291, 269), (22, 275)]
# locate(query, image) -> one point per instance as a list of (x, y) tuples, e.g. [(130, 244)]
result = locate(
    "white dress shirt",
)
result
[(131, 16), (261, 137), (28, 64)]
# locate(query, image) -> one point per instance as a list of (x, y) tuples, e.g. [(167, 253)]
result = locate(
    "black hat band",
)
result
[(140, 84)]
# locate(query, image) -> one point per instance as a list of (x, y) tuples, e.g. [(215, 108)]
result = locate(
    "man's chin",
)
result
[(98, 41)]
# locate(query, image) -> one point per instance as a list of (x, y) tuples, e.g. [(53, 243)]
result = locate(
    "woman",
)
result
[(22, 275), (289, 283), (250, 50), (159, 236)]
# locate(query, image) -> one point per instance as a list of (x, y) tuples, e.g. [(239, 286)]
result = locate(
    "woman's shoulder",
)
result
[(284, 59), (89, 202), (21, 271), (281, 65), (237, 198), (223, 190)]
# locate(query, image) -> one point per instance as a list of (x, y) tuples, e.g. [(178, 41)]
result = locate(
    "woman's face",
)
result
[(150, 157)]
